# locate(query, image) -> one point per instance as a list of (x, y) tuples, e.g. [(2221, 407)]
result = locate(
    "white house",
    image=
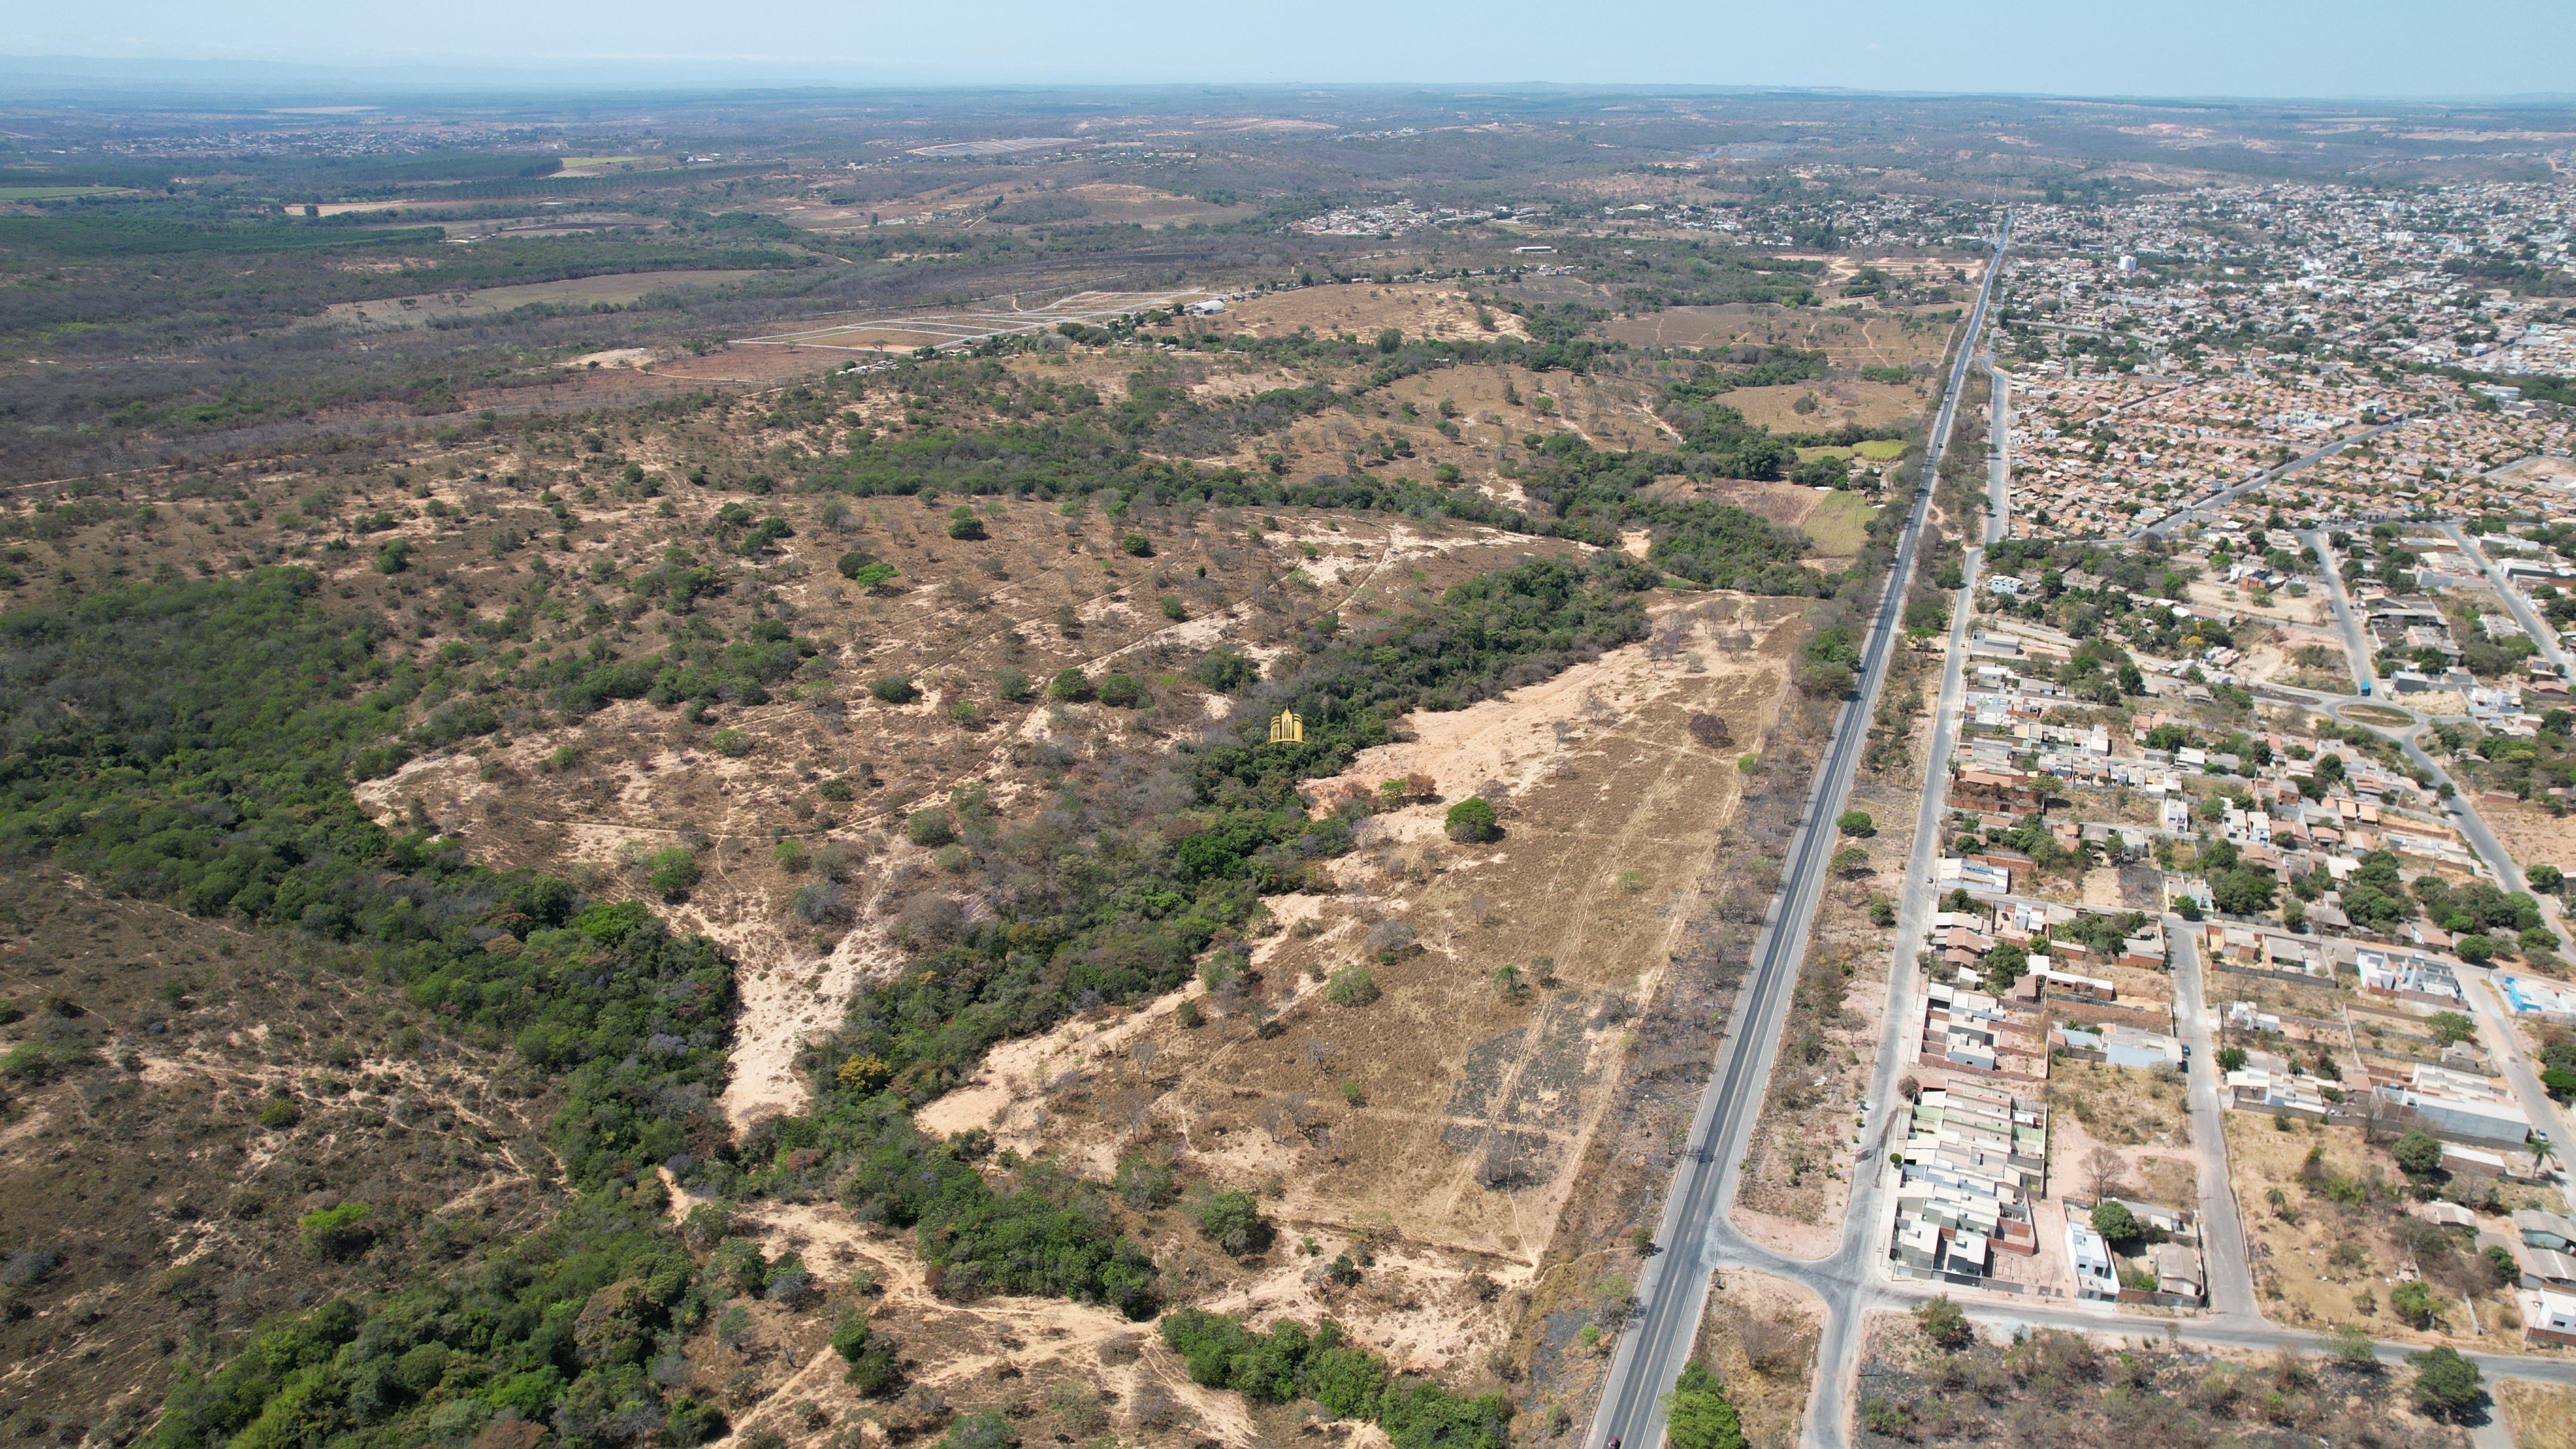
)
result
[(2089, 1258)]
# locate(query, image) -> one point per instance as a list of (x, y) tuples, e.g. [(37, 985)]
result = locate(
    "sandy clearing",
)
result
[(1787, 1235), (1516, 738)]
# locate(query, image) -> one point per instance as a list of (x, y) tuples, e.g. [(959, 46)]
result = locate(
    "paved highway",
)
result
[(1694, 1233)]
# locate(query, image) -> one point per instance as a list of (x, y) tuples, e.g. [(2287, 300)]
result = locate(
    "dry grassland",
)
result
[(493, 300), (2538, 1416), (1420, 309), (1838, 404), (1849, 341), (2530, 834), (1448, 1118)]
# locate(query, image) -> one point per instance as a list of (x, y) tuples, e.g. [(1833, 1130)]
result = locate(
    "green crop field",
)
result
[(56, 193)]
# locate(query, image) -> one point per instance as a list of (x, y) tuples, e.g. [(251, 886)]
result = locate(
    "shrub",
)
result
[(983, 1429), (835, 790), (730, 743), (1121, 690), (2450, 1026), (279, 1113), (816, 902), (338, 1232), (2412, 1301), (1069, 684), (2231, 1059), (671, 872), (895, 689), (1011, 686), (1472, 820), (1137, 545), (1944, 1323), (1390, 940), (1232, 1221), (929, 827), (1351, 986), (865, 571), (394, 557), (964, 526), (1226, 670), (2349, 1343), (1170, 604), (869, 1354)]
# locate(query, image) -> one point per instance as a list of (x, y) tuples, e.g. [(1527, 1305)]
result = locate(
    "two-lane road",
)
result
[(1674, 1285), (2172, 521)]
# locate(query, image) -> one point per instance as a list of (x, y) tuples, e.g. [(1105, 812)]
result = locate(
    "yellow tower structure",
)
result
[(1286, 728)]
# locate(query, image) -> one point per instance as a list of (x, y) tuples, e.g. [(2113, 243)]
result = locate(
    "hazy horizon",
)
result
[(2376, 50)]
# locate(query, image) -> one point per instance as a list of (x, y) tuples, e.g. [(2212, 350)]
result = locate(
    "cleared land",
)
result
[(429, 308)]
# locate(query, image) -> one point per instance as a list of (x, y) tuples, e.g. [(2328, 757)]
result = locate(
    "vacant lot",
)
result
[(2076, 1391), (2330, 1239), (1848, 340), (1758, 1335)]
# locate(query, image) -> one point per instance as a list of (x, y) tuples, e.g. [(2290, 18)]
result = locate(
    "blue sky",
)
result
[(2156, 47)]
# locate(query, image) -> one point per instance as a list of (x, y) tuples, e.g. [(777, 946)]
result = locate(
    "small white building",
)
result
[(2088, 1257)]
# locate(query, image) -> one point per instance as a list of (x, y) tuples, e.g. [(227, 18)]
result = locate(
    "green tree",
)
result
[(672, 872), (1233, 1221), (929, 827), (1855, 822), (2451, 1026), (2447, 1386), (2418, 1153), (1697, 1415), (964, 526), (2231, 1059), (2116, 1223), (895, 689), (1070, 685), (1121, 690), (1472, 820)]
